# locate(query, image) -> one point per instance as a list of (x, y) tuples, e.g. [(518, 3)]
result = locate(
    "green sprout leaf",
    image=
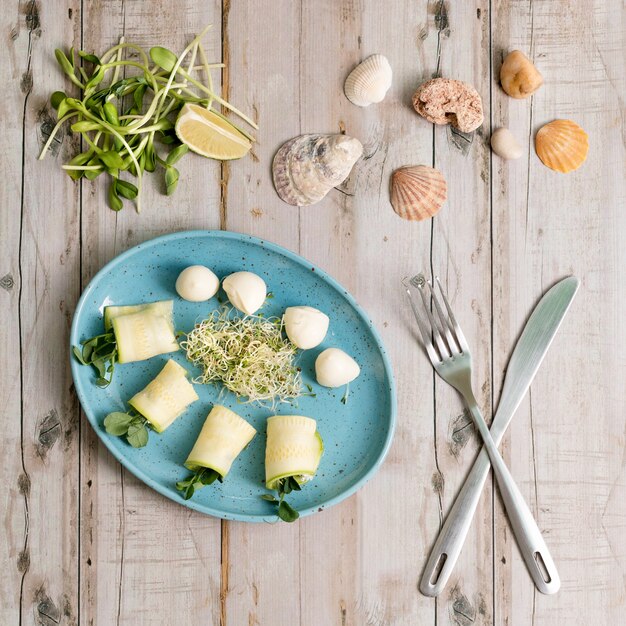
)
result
[(56, 98), (117, 423), (92, 58), (112, 159), (84, 126), (164, 58), (96, 79), (287, 513), (126, 190), (134, 426), (171, 180), (101, 353), (201, 477), (137, 435), (64, 62), (114, 200), (177, 154), (110, 112), (284, 487)]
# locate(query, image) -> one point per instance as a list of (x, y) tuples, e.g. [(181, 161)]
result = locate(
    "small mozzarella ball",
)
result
[(504, 144), (334, 368), (246, 291), (305, 326), (197, 283)]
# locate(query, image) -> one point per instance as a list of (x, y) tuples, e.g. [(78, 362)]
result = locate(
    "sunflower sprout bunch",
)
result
[(127, 112)]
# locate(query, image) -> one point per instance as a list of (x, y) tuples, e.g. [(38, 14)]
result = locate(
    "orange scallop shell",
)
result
[(417, 192), (562, 145)]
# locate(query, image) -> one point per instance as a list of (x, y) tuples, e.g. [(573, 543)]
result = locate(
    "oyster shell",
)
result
[(562, 145), (417, 192), (307, 167), (369, 81)]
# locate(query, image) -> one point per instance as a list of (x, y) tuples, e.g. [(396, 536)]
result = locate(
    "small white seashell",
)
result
[(505, 145), (307, 167), (369, 81)]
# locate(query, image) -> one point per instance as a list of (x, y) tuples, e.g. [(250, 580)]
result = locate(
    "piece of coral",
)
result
[(447, 101)]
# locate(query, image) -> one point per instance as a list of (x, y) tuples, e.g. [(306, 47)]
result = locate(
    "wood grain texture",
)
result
[(84, 542), (566, 445), (143, 559), (43, 225)]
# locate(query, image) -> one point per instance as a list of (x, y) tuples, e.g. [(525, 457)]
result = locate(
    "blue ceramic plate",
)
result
[(356, 435)]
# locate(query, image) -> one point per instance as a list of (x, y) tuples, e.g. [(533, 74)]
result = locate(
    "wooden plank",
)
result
[(14, 546), (45, 220), (355, 235), (41, 281), (461, 257), (144, 559), (262, 561), (566, 444)]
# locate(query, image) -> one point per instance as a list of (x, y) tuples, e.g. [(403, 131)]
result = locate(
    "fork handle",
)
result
[(529, 539), (451, 538)]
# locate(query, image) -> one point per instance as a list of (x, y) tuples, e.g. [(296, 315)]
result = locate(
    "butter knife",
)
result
[(529, 352)]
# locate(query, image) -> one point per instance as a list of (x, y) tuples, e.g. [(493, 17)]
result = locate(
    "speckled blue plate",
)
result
[(356, 435)]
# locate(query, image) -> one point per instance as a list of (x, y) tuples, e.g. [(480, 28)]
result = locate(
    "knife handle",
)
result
[(530, 541)]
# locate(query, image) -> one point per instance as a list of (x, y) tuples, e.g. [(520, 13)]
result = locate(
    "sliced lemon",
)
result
[(210, 135)]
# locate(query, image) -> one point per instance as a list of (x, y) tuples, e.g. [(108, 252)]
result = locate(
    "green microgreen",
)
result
[(141, 138), (248, 355), (201, 477), (283, 488), (344, 399), (133, 425), (100, 352)]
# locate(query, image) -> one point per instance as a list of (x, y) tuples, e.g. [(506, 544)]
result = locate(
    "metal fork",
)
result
[(450, 356)]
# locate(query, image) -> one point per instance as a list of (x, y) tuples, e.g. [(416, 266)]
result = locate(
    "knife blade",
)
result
[(527, 356)]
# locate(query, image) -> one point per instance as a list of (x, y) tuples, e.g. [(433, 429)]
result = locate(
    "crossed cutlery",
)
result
[(449, 354)]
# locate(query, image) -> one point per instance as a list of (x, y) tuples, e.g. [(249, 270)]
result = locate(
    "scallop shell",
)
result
[(417, 192), (562, 145), (307, 167), (369, 81)]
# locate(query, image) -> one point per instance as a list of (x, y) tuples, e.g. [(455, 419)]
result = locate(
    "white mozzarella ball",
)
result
[(334, 368), (246, 291), (197, 283), (305, 326)]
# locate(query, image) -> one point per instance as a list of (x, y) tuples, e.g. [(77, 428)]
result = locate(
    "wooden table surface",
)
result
[(84, 542)]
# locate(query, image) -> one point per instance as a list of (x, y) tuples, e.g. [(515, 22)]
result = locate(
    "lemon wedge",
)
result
[(210, 135)]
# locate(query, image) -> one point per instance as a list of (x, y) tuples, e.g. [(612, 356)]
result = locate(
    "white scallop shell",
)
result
[(369, 81), (307, 167)]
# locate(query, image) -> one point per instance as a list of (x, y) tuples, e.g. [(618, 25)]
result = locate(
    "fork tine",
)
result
[(448, 330), (458, 333), (424, 330), (443, 348)]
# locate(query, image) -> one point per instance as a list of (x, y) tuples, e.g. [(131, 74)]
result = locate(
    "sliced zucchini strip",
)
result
[(163, 307), (142, 335), (294, 448), (166, 397), (223, 436)]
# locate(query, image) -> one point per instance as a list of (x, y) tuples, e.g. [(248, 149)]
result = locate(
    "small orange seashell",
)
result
[(417, 192), (562, 145)]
